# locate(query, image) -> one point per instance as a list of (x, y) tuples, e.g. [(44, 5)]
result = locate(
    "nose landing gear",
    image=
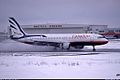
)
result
[(94, 48)]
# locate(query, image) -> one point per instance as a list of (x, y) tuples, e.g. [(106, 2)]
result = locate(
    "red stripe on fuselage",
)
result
[(99, 42), (88, 43)]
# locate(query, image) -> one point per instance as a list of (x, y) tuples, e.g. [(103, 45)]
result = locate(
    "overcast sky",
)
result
[(61, 11)]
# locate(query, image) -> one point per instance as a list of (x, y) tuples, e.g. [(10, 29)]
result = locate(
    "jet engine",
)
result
[(65, 45)]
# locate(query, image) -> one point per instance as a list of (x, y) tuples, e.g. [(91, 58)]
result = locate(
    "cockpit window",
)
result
[(101, 37), (43, 36)]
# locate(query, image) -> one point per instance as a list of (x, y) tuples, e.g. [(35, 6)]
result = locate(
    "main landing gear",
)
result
[(94, 48)]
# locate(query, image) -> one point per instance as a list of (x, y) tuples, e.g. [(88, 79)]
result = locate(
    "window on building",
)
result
[(101, 31), (111, 30)]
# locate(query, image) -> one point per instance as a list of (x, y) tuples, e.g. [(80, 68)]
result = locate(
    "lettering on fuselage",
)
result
[(80, 36)]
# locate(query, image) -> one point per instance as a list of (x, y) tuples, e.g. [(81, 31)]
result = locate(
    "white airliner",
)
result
[(63, 41)]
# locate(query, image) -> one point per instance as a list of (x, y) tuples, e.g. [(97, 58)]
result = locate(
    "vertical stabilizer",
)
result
[(15, 30)]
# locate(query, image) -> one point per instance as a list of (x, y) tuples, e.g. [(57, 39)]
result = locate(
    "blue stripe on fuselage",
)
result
[(27, 36)]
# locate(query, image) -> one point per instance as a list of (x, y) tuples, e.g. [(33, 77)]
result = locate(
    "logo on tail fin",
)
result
[(15, 30)]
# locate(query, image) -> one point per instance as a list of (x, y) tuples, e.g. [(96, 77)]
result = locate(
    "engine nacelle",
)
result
[(65, 45)]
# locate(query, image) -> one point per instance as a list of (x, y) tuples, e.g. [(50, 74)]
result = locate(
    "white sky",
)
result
[(61, 11)]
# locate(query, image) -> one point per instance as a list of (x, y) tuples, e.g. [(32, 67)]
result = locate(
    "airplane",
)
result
[(63, 41)]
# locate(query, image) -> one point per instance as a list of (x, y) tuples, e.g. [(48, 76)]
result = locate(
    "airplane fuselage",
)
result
[(82, 39)]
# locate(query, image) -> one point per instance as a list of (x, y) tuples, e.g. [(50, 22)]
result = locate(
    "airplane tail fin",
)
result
[(14, 29)]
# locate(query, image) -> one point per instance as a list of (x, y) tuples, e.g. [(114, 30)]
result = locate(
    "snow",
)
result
[(100, 65), (84, 66)]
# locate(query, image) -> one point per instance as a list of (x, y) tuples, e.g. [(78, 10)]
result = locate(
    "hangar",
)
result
[(55, 28), (64, 28)]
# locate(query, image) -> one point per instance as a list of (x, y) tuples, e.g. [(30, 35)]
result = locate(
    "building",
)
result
[(98, 29), (55, 28), (3, 36), (64, 28), (112, 33)]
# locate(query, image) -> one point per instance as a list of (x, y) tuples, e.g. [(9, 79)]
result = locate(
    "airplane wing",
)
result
[(55, 44), (46, 43)]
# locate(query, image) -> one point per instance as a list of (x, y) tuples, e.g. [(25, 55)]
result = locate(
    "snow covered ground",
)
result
[(82, 64)]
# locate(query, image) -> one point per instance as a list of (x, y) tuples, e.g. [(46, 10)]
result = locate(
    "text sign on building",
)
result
[(47, 26)]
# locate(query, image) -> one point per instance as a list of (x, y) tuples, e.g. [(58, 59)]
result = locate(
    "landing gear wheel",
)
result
[(94, 48)]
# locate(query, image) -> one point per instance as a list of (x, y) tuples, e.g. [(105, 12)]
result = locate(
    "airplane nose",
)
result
[(105, 41)]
